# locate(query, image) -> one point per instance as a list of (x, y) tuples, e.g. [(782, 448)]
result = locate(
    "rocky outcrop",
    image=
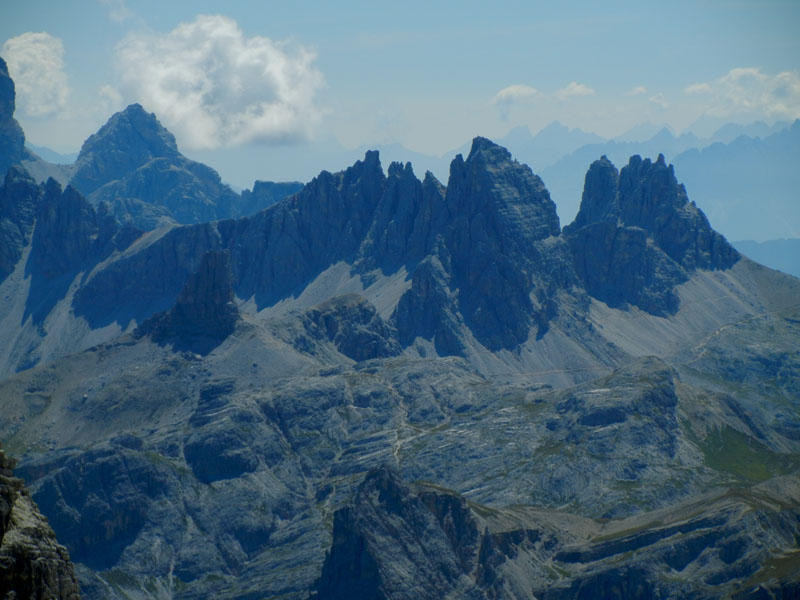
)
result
[(32, 563), (389, 544), (206, 309), (637, 236), (489, 235), (408, 213), (280, 250), (415, 541), (491, 245), (70, 234), (12, 139), (498, 212), (19, 202), (430, 308), (133, 164), (354, 327), (650, 197)]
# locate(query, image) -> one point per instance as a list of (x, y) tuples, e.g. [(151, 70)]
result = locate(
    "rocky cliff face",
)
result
[(129, 140), (32, 562), (498, 214), (397, 541), (133, 164), (492, 244), (19, 202), (70, 234), (12, 139), (205, 313), (354, 328), (390, 544), (637, 236)]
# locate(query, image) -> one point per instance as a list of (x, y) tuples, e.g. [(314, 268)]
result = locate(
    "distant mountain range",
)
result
[(783, 255), (378, 385)]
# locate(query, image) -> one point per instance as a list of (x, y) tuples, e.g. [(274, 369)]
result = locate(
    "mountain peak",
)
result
[(486, 147), (129, 139), (639, 235)]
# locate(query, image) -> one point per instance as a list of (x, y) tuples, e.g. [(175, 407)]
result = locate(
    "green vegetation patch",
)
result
[(744, 457)]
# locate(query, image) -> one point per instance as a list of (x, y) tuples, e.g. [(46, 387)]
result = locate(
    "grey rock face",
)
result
[(498, 211), (430, 308), (389, 544), (19, 201), (493, 223), (280, 250), (651, 197), (205, 310), (408, 212), (133, 164), (354, 327), (32, 563), (70, 233), (129, 140), (622, 265), (399, 541), (12, 139), (637, 236)]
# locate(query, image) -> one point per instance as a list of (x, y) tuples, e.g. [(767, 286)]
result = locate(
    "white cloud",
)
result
[(751, 92), (36, 64), (574, 89), (513, 93), (639, 90), (213, 86), (697, 88), (118, 11)]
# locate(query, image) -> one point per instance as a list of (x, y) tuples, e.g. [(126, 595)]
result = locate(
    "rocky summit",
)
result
[(133, 165), (381, 386)]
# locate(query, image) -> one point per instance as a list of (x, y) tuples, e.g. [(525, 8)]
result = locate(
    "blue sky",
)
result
[(427, 75)]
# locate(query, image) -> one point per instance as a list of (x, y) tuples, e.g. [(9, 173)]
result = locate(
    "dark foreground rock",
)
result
[(33, 565)]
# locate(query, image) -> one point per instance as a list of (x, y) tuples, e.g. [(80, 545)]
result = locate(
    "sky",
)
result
[(267, 79)]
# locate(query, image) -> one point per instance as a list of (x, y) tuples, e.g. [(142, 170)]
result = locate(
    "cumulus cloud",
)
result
[(637, 91), (213, 86), (750, 91), (506, 98), (574, 89), (513, 93), (36, 64)]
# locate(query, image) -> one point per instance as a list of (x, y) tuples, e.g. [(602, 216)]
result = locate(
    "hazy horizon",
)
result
[(429, 77)]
